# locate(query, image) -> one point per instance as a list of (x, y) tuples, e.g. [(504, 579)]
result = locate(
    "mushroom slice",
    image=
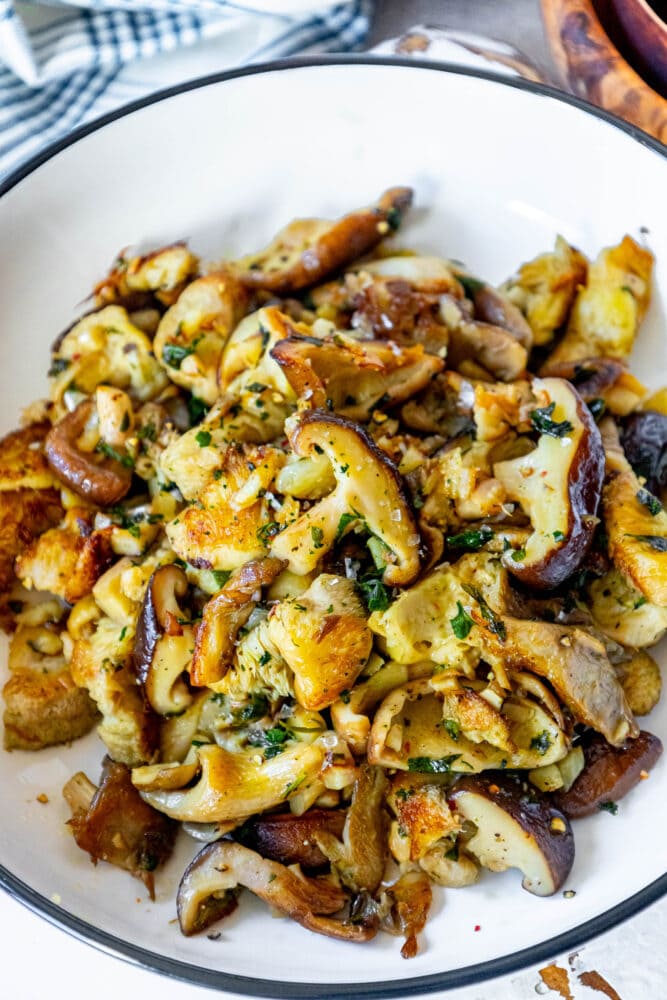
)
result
[(430, 275), (575, 664), (208, 889), (602, 382), (350, 714), (163, 272), (163, 642), (117, 826), (494, 349), (354, 375), (644, 439), (103, 481), (558, 485), (309, 250), (636, 525), (192, 334), (223, 616), (359, 858), (368, 486), (290, 839), (233, 785), (495, 308), (607, 311), (544, 288), (515, 828), (323, 637), (609, 774)]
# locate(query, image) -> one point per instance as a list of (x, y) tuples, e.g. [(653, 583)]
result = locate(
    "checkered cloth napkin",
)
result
[(63, 64)]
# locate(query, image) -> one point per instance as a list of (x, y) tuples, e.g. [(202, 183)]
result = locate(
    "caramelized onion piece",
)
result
[(205, 892), (114, 824), (105, 482)]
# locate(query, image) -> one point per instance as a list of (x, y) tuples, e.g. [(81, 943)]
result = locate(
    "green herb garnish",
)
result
[(648, 500), (542, 422), (541, 743), (432, 765), (473, 539), (203, 439), (461, 622), (109, 452), (374, 593), (609, 807)]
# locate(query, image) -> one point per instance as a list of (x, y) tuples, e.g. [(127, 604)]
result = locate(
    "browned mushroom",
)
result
[(221, 868), (368, 487), (290, 839), (308, 250), (224, 615), (609, 773), (163, 641), (412, 896), (360, 858), (605, 383), (104, 481), (495, 308), (354, 375), (114, 824), (515, 827), (558, 484)]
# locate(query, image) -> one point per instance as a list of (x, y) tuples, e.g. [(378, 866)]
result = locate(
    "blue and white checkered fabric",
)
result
[(64, 64)]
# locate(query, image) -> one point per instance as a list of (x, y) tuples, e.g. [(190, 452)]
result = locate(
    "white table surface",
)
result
[(39, 960)]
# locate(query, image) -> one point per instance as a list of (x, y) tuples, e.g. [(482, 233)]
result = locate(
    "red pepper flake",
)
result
[(494, 789), (478, 927)]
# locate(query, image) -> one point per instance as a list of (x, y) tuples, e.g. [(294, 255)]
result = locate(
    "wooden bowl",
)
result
[(590, 65), (645, 36)]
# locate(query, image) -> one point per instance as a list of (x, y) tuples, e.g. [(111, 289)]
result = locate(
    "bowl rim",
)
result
[(247, 985)]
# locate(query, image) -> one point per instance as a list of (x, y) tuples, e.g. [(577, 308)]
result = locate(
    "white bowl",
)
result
[(499, 168)]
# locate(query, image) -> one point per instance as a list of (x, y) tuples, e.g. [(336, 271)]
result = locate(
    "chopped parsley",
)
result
[(317, 536), (255, 709), (453, 728), (432, 765), (541, 743), (271, 741), (648, 500), (496, 624), (518, 555), (265, 658), (221, 576), (609, 807), (375, 594), (58, 365), (558, 536), (542, 422), (175, 354), (203, 439), (470, 285), (197, 408), (147, 433), (473, 539), (461, 622), (393, 218), (597, 408), (109, 452), (345, 521), (268, 531)]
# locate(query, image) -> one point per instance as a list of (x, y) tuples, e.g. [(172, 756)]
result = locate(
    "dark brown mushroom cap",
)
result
[(516, 828), (104, 482), (290, 839), (158, 616), (590, 377), (609, 773), (644, 440), (307, 251)]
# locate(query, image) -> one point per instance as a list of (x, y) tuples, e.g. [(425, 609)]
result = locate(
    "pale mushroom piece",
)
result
[(368, 489), (163, 272), (558, 485), (309, 250), (636, 525)]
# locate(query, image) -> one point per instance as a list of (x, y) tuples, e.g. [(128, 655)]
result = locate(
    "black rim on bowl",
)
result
[(248, 985)]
